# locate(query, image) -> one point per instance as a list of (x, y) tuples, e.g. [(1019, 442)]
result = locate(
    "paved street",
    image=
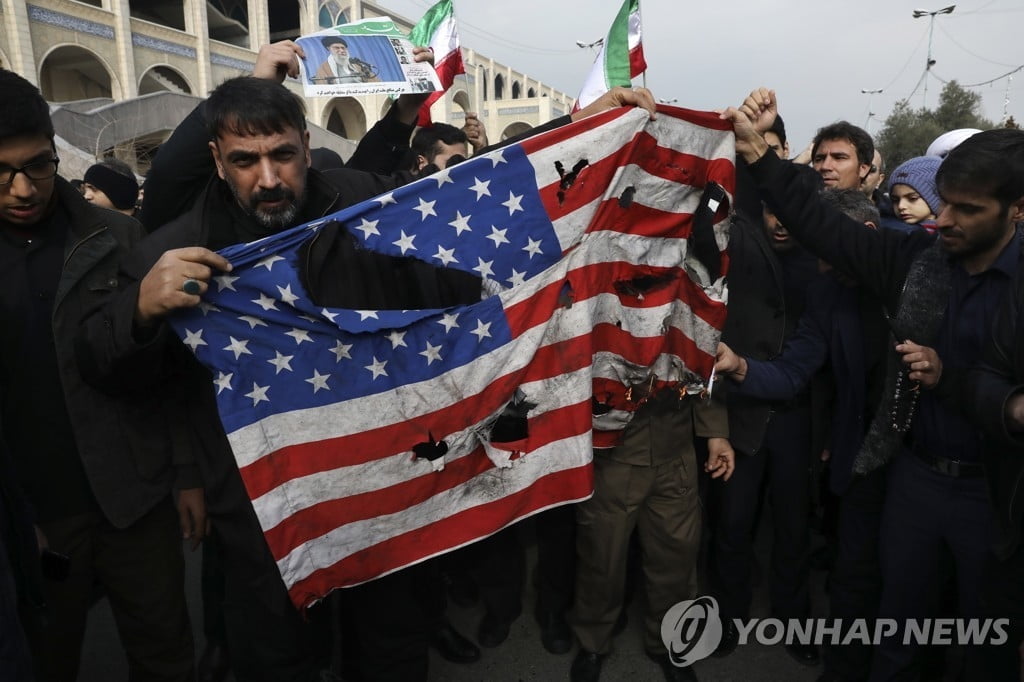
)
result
[(521, 658)]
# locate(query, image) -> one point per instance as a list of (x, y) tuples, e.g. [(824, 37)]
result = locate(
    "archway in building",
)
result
[(531, 93), (163, 79), (70, 73), (284, 20), (485, 79), (345, 116), (516, 90), (514, 129), (331, 13), (499, 86)]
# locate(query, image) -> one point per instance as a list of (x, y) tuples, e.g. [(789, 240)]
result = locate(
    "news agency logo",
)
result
[(691, 630)]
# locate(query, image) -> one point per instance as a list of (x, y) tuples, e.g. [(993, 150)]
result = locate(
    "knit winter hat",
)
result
[(121, 189), (919, 173)]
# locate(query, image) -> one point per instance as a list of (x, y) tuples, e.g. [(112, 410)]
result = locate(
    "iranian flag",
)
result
[(438, 31), (621, 58)]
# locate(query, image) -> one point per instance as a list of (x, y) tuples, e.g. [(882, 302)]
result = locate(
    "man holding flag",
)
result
[(438, 31), (258, 139)]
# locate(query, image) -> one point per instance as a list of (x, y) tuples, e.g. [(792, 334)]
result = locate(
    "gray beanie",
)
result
[(919, 173)]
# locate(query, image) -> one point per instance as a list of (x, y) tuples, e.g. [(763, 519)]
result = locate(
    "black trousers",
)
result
[(783, 464), (270, 641), (498, 565), (15, 660), (142, 571), (856, 583), (1002, 597), (927, 518)]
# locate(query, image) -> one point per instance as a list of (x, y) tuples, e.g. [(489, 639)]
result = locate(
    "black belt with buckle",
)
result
[(951, 467)]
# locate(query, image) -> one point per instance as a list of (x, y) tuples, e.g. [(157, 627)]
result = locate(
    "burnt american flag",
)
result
[(583, 238)]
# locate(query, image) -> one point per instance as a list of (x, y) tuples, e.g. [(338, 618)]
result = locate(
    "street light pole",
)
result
[(870, 94), (917, 14)]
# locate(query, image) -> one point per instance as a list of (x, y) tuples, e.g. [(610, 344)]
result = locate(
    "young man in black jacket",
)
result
[(98, 470), (941, 296)]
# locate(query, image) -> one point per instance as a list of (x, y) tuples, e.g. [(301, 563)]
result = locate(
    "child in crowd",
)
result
[(915, 200)]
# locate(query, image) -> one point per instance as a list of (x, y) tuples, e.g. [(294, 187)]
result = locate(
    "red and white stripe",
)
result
[(332, 526)]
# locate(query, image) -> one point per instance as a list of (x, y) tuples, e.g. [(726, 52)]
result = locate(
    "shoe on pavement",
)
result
[(586, 667), (453, 646), (555, 634)]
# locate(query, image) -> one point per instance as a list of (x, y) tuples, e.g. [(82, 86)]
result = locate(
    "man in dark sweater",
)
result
[(941, 296)]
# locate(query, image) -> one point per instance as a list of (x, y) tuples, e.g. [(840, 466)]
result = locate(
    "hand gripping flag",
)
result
[(369, 440), (438, 31), (621, 58)]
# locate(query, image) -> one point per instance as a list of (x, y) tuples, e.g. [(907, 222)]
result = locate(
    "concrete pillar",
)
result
[(125, 51), (198, 25), (259, 24), (23, 61), (308, 20)]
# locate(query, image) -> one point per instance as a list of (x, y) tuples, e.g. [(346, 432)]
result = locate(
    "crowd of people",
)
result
[(868, 382)]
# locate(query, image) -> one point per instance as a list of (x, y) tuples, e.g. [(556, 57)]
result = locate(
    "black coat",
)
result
[(759, 321), (999, 377), (124, 442)]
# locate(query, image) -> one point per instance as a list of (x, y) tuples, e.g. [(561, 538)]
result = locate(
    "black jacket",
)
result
[(125, 445), (759, 321), (999, 377)]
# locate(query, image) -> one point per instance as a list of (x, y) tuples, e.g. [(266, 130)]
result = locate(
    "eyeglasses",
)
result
[(37, 170)]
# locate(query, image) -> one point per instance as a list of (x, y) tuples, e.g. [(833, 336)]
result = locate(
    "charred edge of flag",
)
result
[(643, 284), (512, 425), (566, 296), (567, 179), (599, 408), (431, 449), (626, 198)]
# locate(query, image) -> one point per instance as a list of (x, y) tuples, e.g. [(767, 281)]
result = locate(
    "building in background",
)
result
[(121, 74)]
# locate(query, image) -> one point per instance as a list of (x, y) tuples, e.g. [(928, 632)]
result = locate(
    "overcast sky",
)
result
[(818, 54)]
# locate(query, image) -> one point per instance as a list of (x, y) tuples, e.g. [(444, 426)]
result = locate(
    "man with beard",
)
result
[(940, 296), (258, 140), (842, 330), (768, 278), (257, 137), (341, 67), (769, 275)]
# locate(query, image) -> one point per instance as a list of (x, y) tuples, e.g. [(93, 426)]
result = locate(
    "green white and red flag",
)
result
[(621, 58), (438, 31)]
